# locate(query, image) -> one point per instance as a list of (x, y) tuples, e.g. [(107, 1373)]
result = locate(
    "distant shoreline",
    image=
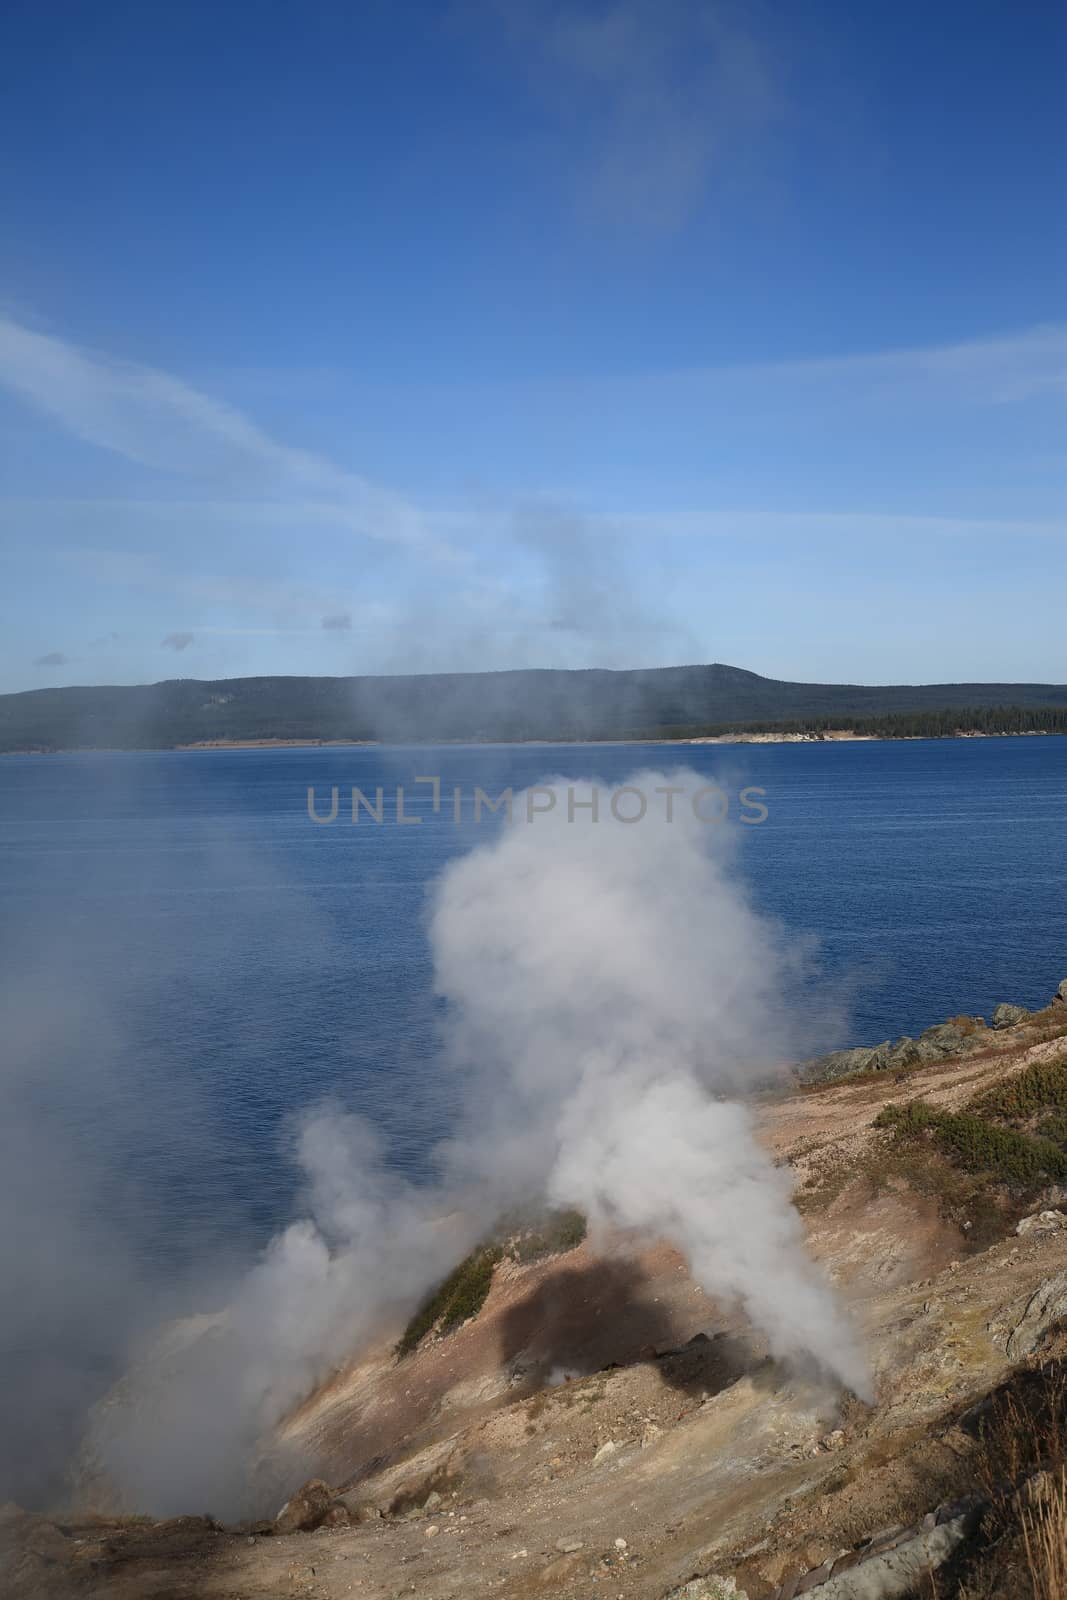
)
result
[(829, 736), (711, 704)]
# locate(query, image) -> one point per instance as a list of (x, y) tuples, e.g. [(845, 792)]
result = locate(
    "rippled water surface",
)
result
[(188, 958)]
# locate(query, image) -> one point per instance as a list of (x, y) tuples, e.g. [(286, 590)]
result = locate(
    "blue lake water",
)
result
[(188, 958)]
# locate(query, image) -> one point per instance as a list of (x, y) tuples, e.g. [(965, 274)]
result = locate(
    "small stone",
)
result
[(567, 1547), (605, 1452), (432, 1530), (620, 1544), (432, 1501)]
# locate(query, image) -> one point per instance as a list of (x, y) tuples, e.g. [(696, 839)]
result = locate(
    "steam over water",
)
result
[(191, 967)]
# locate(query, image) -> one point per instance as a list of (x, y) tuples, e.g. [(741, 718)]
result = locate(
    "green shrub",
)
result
[(1041, 1087), (1054, 1128), (976, 1144), (560, 1231), (461, 1295)]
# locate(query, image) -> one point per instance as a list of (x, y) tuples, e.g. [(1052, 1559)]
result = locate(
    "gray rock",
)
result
[(1044, 1307), (899, 1571), (903, 1052), (842, 1063), (1060, 997), (1005, 1016), (943, 1039), (710, 1588), (951, 1038), (1042, 1222)]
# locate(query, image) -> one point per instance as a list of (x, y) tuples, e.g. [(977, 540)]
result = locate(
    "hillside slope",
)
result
[(488, 706), (601, 1427)]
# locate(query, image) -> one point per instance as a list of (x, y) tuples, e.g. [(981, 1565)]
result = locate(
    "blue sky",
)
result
[(387, 337)]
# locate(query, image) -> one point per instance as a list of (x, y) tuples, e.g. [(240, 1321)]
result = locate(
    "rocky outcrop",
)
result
[(843, 1063), (890, 1566), (935, 1044), (1006, 1016), (1042, 1222), (1024, 1324), (957, 1037)]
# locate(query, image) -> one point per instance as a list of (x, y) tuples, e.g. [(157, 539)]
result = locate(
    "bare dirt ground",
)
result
[(602, 1428)]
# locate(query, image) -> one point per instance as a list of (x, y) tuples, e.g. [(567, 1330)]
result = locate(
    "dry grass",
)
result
[(1026, 1430), (1045, 1540)]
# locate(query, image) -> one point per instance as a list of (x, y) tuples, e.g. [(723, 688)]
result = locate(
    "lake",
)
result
[(189, 958)]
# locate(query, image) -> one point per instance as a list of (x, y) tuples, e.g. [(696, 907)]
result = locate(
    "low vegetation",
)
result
[(1042, 1087), (979, 1163), (552, 1235), (977, 1144), (463, 1293)]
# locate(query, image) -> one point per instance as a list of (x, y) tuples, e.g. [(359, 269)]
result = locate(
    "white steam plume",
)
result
[(611, 989), (611, 995)]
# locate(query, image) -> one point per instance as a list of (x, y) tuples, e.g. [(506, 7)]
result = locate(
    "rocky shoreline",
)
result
[(961, 1035)]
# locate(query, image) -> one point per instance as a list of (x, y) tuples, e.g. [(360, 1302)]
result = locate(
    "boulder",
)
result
[(1005, 1016), (905, 1053), (1060, 997), (1042, 1222), (306, 1508)]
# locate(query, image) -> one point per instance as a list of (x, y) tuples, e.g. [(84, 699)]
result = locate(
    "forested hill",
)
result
[(668, 702)]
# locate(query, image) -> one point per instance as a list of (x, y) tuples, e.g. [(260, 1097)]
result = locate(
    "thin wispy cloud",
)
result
[(54, 658), (995, 370), (177, 642), (653, 99), (338, 622), (1003, 369), (160, 421)]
